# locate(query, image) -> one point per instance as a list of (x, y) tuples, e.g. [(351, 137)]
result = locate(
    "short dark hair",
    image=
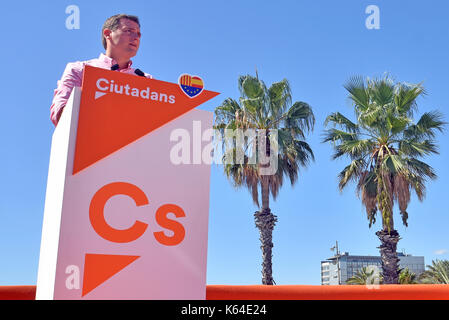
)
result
[(114, 22)]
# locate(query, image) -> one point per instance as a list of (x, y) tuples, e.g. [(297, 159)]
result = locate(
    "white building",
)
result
[(348, 265)]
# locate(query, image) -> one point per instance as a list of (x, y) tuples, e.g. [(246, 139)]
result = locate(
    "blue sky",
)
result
[(316, 45)]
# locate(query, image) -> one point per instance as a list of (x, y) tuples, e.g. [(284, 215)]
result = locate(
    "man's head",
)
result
[(121, 35)]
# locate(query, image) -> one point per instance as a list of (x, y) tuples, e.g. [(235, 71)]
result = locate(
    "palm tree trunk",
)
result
[(265, 193), (265, 222), (389, 256), (388, 236)]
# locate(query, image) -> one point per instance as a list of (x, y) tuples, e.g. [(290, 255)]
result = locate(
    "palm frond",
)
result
[(354, 149), (358, 93), (405, 97), (280, 98), (393, 164), (251, 87), (226, 112), (420, 168), (401, 192), (338, 119), (437, 273), (367, 190), (365, 276), (416, 148), (300, 115), (407, 277), (335, 135), (351, 172), (397, 124), (253, 109), (426, 127), (382, 91)]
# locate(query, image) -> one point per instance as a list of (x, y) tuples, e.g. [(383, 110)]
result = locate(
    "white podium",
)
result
[(124, 219)]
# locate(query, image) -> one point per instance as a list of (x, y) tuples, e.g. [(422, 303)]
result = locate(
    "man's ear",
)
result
[(107, 33)]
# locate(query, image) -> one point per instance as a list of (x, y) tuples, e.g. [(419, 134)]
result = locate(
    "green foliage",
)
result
[(407, 277), (437, 273), (262, 108), (384, 145), (365, 276), (368, 277)]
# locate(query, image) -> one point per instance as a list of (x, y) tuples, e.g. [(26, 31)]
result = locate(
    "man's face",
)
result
[(124, 40)]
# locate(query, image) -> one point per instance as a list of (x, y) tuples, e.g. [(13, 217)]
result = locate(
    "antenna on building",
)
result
[(336, 248), (337, 256)]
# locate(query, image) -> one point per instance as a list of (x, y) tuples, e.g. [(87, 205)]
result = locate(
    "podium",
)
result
[(127, 201)]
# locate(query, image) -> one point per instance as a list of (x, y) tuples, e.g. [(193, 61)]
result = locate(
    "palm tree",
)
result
[(280, 128), (407, 277), (385, 147), (438, 273), (365, 277)]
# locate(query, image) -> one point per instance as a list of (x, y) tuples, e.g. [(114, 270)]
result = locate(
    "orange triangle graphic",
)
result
[(100, 267), (130, 108)]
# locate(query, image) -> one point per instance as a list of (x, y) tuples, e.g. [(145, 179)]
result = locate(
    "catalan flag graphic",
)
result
[(191, 85)]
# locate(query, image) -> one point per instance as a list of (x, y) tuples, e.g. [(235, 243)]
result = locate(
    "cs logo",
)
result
[(103, 229), (100, 267)]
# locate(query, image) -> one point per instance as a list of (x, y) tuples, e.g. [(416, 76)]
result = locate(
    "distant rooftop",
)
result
[(346, 254)]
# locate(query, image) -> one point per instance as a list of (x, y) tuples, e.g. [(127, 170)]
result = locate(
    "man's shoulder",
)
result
[(82, 63), (77, 67)]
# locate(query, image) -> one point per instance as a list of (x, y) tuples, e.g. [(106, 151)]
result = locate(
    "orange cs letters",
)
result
[(96, 216), (96, 212), (164, 222)]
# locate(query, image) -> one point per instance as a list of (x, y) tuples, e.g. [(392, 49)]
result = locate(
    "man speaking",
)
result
[(121, 38)]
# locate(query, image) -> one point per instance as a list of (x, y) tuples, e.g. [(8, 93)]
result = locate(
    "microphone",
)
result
[(115, 67), (139, 72)]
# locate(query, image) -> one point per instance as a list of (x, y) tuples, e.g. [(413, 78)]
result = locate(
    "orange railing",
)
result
[(342, 292), (290, 292)]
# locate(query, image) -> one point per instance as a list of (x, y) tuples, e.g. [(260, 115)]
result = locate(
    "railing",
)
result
[(290, 292)]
